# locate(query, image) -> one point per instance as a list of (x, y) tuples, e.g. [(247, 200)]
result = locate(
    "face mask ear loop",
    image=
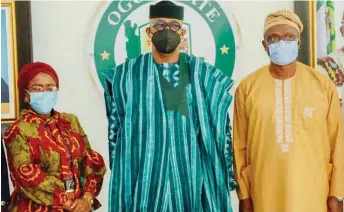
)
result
[(25, 99), (150, 31)]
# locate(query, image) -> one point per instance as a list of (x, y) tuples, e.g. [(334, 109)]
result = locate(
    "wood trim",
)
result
[(12, 48), (307, 51), (24, 37)]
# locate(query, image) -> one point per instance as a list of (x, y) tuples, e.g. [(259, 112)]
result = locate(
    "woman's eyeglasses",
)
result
[(41, 88)]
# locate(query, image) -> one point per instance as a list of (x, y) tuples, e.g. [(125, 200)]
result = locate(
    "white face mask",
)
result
[(43, 102), (283, 52)]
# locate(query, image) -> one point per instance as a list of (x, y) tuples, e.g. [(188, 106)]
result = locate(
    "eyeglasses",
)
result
[(161, 25), (275, 39), (41, 88)]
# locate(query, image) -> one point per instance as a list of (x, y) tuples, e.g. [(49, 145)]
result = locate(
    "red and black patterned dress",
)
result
[(42, 153)]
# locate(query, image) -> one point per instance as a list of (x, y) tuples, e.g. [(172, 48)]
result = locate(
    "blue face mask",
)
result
[(283, 52), (43, 102)]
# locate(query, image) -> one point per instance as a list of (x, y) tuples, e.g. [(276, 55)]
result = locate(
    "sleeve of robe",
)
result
[(111, 113), (221, 84), (94, 166), (336, 137), (229, 155), (241, 165), (34, 183)]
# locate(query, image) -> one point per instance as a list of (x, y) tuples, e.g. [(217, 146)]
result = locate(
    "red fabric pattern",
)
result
[(37, 186)]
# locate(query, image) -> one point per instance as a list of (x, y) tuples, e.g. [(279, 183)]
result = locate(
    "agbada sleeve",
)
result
[(112, 115), (34, 183), (229, 155), (336, 137), (241, 165), (216, 89)]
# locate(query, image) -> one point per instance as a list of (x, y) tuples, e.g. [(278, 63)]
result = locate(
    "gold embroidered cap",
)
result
[(283, 16)]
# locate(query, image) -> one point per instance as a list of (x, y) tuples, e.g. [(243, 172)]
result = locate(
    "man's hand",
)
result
[(246, 205), (81, 205), (333, 205), (67, 205)]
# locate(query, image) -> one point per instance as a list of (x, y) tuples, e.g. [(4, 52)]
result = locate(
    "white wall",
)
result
[(60, 29)]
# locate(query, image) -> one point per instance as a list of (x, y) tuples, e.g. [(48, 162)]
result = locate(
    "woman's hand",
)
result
[(67, 205), (81, 205), (70, 195)]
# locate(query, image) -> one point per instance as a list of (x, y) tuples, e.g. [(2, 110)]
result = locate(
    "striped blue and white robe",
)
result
[(161, 160)]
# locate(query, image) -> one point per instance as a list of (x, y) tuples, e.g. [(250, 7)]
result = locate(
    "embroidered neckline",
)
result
[(283, 98)]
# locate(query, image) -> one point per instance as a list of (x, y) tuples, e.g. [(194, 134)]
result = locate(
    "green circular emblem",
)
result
[(116, 16)]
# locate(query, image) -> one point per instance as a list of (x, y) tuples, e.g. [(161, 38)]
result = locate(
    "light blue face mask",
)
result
[(43, 102), (283, 52)]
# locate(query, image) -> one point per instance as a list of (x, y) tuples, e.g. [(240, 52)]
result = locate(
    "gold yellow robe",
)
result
[(288, 141)]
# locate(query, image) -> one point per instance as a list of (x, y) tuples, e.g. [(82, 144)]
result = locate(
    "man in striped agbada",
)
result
[(169, 133)]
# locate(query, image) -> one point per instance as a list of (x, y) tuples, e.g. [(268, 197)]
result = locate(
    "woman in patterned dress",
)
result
[(52, 165)]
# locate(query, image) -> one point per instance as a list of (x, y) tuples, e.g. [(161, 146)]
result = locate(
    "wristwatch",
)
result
[(69, 185), (340, 199)]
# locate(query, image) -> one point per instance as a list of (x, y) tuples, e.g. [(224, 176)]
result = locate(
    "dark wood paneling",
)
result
[(24, 36), (302, 10)]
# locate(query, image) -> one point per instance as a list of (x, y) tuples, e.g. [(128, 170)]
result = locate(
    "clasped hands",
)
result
[(77, 205)]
